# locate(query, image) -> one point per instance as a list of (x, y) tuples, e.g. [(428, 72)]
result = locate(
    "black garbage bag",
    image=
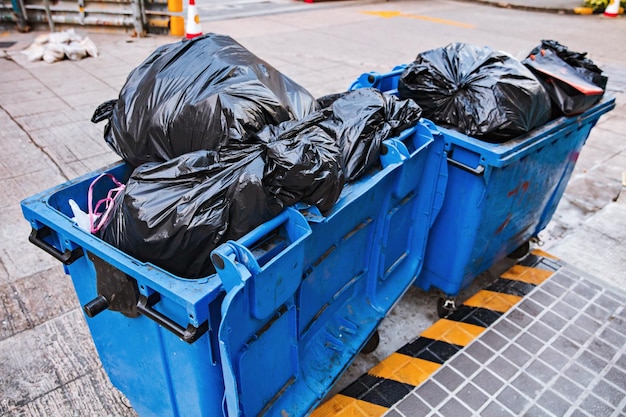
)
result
[(198, 94), (328, 100), (573, 81), (303, 163), (174, 213), (360, 120), (477, 91)]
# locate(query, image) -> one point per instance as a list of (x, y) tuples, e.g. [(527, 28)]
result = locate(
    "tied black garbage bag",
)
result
[(303, 163), (199, 94), (573, 81), (360, 120), (173, 214), (310, 160), (477, 91)]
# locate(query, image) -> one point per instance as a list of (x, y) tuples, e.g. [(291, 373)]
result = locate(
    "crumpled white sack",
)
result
[(75, 51), (54, 52), (59, 37), (41, 39), (90, 47), (57, 46), (34, 52)]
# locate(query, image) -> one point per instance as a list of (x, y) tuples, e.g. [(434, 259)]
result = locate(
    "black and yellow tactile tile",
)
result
[(506, 368)]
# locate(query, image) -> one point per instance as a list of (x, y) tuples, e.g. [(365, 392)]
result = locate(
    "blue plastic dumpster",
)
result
[(290, 306), (499, 196)]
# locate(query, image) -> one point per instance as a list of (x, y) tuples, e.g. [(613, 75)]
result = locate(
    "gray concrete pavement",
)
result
[(229, 9), (48, 365)]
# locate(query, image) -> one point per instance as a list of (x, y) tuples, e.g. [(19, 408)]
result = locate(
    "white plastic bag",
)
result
[(53, 52), (80, 217), (41, 39), (59, 37), (34, 52), (75, 51), (90, 47)]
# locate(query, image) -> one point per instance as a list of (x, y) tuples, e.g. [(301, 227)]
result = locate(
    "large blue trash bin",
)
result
[(499, 196), (290, 306)]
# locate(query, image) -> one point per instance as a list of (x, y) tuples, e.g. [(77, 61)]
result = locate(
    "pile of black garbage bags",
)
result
[(221, 142), (494, 97)]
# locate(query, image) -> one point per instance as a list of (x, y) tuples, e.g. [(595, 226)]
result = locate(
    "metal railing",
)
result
[(136, 16)]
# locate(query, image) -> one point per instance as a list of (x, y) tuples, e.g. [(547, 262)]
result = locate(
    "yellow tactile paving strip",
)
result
[(453, 332), (525, 274), (404, 368), (493, 300), (343, 406)]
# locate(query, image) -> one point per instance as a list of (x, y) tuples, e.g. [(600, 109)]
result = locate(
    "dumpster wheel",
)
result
[(445, 306), (372, 343), (520, 251)]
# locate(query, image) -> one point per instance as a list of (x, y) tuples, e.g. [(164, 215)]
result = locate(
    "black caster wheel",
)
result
[(445, 306), (372, 343), (521, 251)]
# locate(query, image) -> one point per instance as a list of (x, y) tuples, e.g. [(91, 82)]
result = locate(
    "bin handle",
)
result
[(240, 251), (189, 334), (240, 248), (37, 238), (227, 254), (373, 79), (393, 152), (263, 229), (479, 170)]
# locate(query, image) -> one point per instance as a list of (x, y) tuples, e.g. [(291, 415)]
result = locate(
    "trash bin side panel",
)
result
[(342, 250), (451, 238), (515, 196), (408, 221), (483, 220), (258, 332), (325, 352), (261, 354), (157, 371), (127, 349), (335, 273), (577, 140), (533, 183), (195, 372)]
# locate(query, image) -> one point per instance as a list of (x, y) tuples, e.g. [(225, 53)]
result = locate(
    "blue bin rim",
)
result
[(501, 154)]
